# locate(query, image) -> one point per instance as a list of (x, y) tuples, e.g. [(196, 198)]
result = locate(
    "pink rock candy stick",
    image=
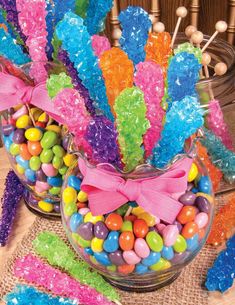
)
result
[(149, 78), (100, 44), (34, 271)]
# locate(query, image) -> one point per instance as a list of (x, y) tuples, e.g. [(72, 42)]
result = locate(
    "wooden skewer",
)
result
[(181, 13), (190, 29), (220, 27), (206, 59), (158, 27), (220, 69), (197, 38)]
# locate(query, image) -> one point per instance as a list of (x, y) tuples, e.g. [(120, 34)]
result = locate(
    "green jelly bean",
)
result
[(180, 245), (63, 170), (57, 162), (160, 265), (127, 226), (46, 156), (82, 242), (14, 149), (154, 240), (112, 268), (49, 139), (55, 190), (58, 151), (35, 163), (70, 209), (123, 209)]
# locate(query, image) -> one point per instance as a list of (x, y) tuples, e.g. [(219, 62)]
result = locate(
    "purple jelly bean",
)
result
[(57, 208), (203, 204), (179, 225), (190, 186), (7, 129), (179, 257), (85, 230), (188, 198), (31, 183), (18, 136), (100, 230), (65, 142), (40, 176), (116, 258)]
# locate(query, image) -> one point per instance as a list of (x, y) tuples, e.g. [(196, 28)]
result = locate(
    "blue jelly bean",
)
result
[(75, 221), (133, 204), (102, 258), (55, 181), (22, 162), (111, 244), (7, 143), (30, 175), (11, 136), (140, 269), (74, 182), (192, 243), (50, 200), (194, 190), (152, 259), (167, 253), (204, 185), (89, 251)]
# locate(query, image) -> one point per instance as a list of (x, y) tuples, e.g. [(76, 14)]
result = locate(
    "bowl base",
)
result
[(142, 286)]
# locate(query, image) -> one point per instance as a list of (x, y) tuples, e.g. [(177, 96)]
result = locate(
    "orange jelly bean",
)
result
[(126, 269), (187, 214), (201, 233), (40, 124), (34, 148), (24, 153), (189, 230), (140, 228), (114, 222), (81, 205), (126, 241)]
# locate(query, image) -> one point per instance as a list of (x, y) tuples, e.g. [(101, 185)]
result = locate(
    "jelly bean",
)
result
[(43, 186), (93, 219), (93, 260), (20, 169), (201, 220), (188, 198), (18, 136), (201, 233), (162, 264), (114, 222), (194, 190), (84, 211), (22, 162), (123, 209), (69, 195), (55, 190), (14, 149), (154, 241), (116, 258), (149, 219), (65, 141), (74, 182), (41, 176), (131, 257), (55, 181), (88, 251), (100, 230), (192, 243), (49, 139), (112, 268), (36, 112), (126, 269), (46, 156), (34, 148), (40, 125), (179, 225), (170, 234), (24, 153), (126, 240), (35, 163), (58, 151), (167, 253), (57, 162), (180, 257), (30, 175), (75, 221), (49, 170), (97, 244), (140, 228), (85, 230), (204, 185), (33, 134), (152, 259), (54, 128), (82, 242), (131, 218), (56, 208), (7, 130), (21, 111), (111, 243), (180, 244), (102, 258), (45, 206), (186, 214), (70, 209), (23, 121), (7, 143), (141, 269), (160, 227), (81, 205), (190, 229), (69, 159), (137, 211), (82, 196), (193, 173), (127, 226), (63, 170), (43, 117), (141, 248), (207, 196)]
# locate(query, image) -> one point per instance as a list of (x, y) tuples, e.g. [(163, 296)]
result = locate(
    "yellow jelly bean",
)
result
[(149, 219), (137, 211), (20, 169), (43, 118), (69, 195), (23, 121), (69, 159), (93, 219), (207, 196), (36, 112), (97, 244), (160, 265), (192, 173), (33, 134), (45, 206), (82, 196), (54, 128)]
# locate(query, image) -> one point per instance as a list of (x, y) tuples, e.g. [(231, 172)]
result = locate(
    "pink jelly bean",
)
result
[(84, 211), (23, 110), (131, 257), (201, 220), (44, 186), (141, 248), (49, 170), (170, 234), (160, 227)]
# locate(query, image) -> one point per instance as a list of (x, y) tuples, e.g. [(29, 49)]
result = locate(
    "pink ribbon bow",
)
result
[(108, 191), (13, 91)]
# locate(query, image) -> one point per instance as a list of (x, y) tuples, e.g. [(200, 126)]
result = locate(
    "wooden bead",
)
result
[(190, 30), (221, 26), (206, 59), (159, 27), (197, 37), (181, 12), (220, 68)]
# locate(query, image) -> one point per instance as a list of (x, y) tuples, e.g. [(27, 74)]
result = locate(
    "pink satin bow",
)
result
[(108, 191), (13, 91)]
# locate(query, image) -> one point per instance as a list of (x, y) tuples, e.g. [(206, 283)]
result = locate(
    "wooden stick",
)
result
[(181, 13), (220, 27)]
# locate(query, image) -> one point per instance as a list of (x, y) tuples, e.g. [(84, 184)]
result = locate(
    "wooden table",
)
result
[(25, 219)]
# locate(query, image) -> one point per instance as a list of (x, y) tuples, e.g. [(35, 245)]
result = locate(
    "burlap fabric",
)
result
[(186, 290)]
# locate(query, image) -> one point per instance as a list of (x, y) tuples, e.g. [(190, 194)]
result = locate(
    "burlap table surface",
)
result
[(188, 289)]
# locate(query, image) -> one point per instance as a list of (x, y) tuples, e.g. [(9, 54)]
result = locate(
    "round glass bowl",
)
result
[(131, 248)]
